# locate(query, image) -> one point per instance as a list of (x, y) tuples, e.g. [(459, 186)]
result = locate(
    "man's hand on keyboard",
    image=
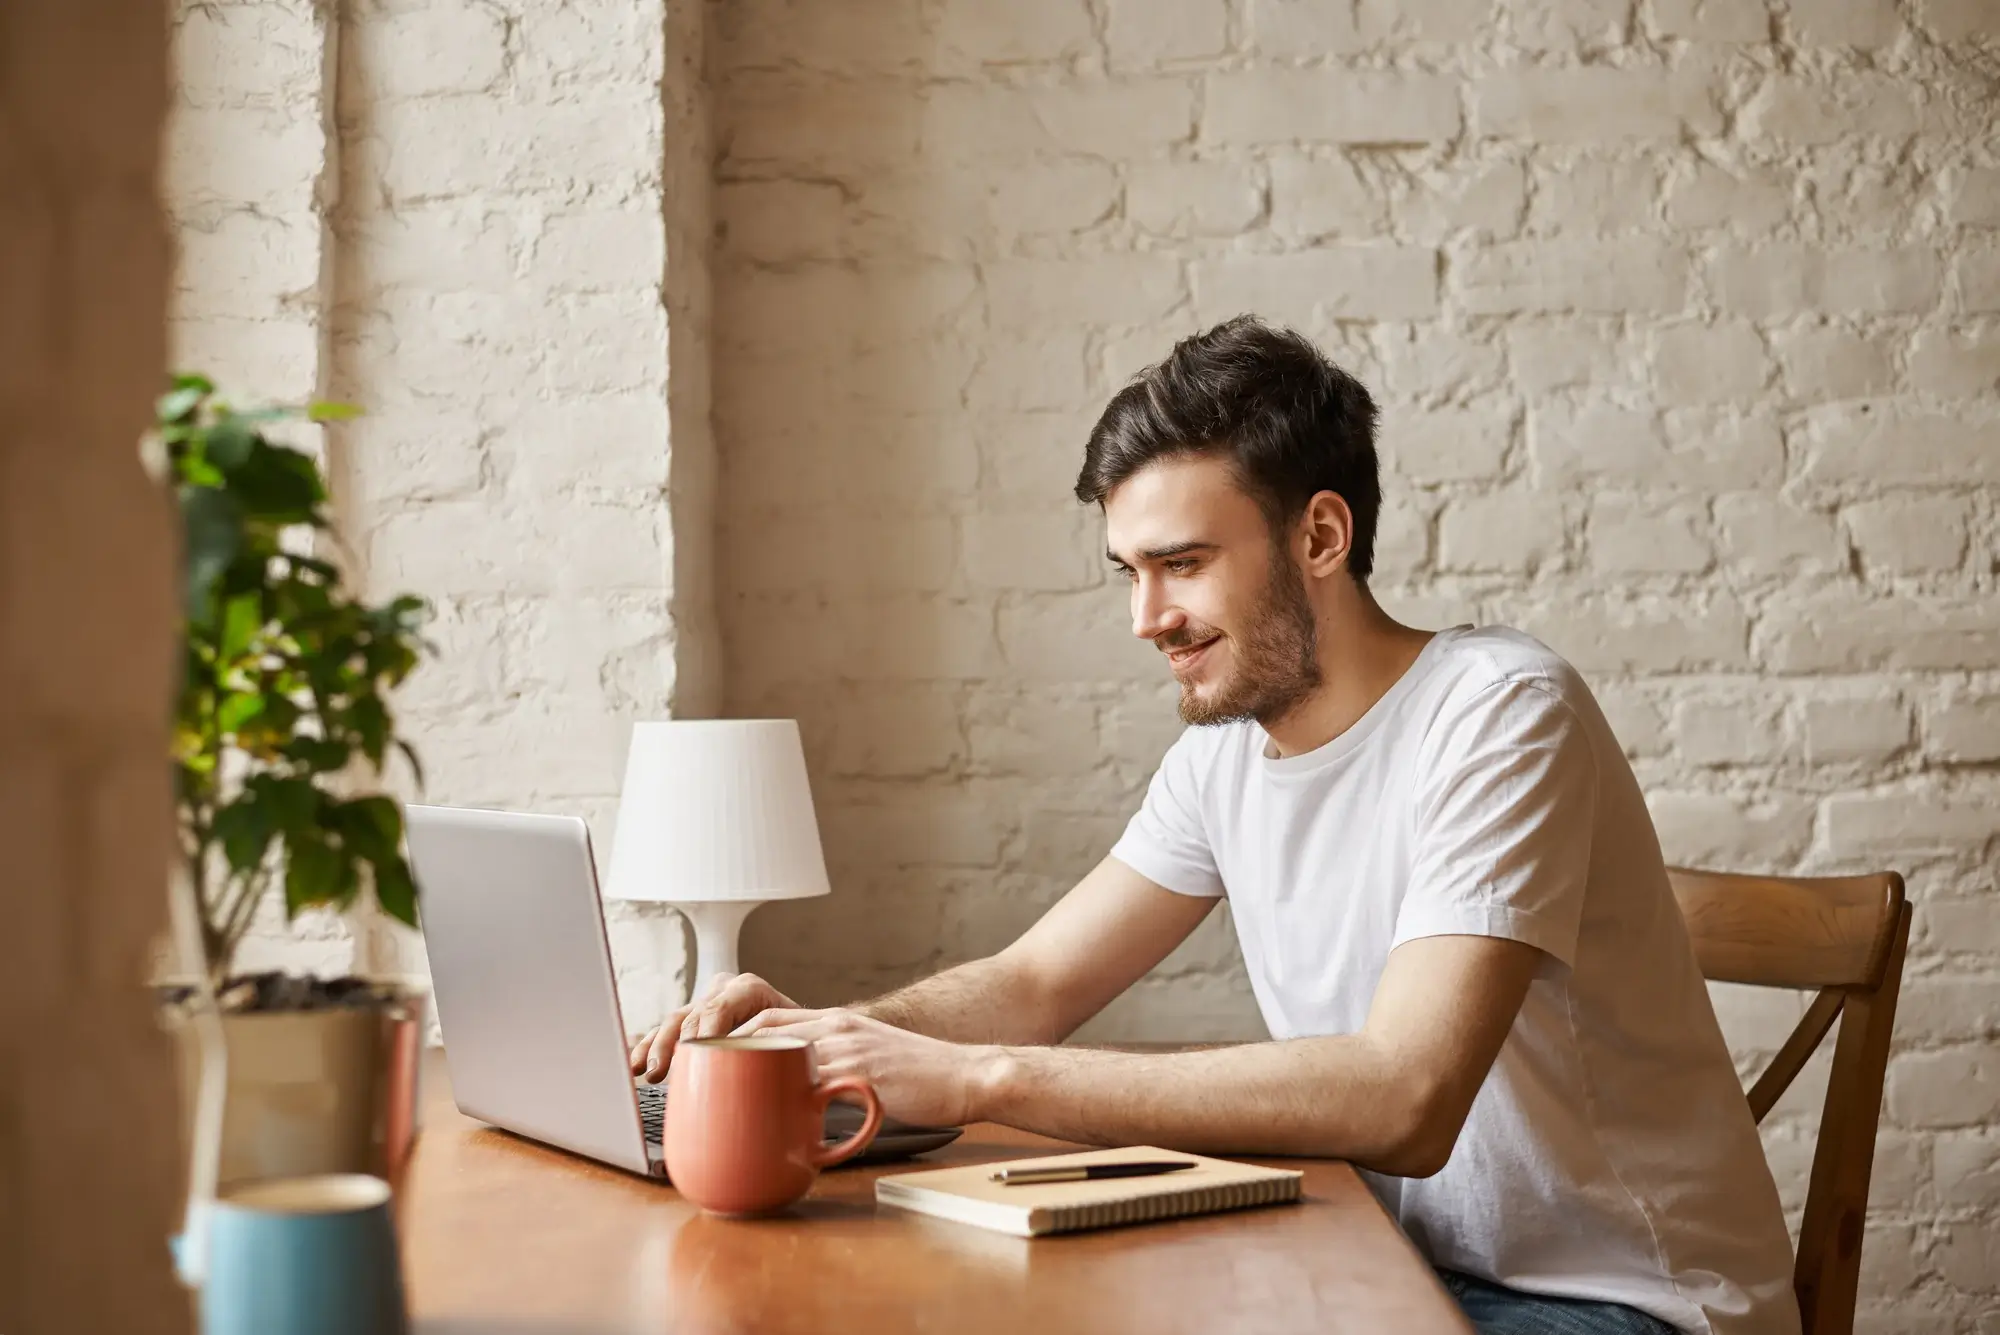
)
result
[(718, 1008)]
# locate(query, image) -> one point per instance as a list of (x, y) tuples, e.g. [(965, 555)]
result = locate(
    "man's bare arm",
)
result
[(1096, 941), (1392, 1097)]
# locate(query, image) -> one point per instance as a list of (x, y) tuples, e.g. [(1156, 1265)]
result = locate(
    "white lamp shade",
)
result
[(717, 809)]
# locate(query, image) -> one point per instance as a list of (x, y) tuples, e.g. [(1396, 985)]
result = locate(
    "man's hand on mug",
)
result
[(718, 1008), (918, 1079)]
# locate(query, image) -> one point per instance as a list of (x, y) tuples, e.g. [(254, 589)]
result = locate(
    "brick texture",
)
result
[(486, 226), (88, 1192), (1673, 375), (1681, 314)]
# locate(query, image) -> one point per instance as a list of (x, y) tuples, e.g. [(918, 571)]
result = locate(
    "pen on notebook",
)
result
[(1014, 1177)]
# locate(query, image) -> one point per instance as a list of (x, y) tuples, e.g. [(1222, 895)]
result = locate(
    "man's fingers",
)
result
[(728, 998), (690, 1025), (744, 994), (767, 1019), (661, 1051), (818, 1032), (712, 995), (713, 1021), (642, 1051)]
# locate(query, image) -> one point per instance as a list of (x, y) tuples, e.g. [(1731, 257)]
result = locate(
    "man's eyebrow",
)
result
[(1172, 549)]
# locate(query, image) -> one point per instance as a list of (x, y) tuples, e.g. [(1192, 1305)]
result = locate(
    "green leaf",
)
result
[(279, 485), (242, 618), (371, 722), (193, 469), (373, 826), (214, 531), (237, 711), (331, 412), (295, 602), (396, 890), (320, 754), (410, 612), (399, 661), (180, 402), (229, 443), (281, 715), (294, 803), (199, 766), (313, 874), (193, 380), (347, 888), (246, 831), (326, 570)]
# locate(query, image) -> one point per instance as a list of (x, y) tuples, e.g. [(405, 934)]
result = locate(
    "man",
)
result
[(1450, 899)]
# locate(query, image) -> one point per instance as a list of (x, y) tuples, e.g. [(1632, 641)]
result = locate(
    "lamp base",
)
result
[(716, 924)]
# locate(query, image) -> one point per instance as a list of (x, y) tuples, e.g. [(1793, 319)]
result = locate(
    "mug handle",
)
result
[(828, 1155)]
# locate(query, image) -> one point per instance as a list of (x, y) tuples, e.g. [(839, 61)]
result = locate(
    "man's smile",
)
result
[(1190, 654)]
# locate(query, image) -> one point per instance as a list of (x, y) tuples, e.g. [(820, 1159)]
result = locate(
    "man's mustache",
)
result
[(1187, 637)]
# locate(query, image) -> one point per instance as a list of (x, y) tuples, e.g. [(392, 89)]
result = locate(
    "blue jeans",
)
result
[(1497, 1311)]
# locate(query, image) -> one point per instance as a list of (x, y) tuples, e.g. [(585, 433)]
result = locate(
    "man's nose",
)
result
[(1152, 615)]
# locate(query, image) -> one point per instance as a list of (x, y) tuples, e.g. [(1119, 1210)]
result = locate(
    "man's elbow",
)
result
[(1423, 1153), (1423, 1132)]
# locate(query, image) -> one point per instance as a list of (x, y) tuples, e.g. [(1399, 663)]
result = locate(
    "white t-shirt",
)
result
[(1610, 1154)]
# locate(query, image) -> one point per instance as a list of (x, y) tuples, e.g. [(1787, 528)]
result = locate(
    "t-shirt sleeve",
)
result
[(1166, 841), (1506, 803)]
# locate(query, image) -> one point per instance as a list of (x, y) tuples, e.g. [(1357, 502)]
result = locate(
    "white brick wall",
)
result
[(485, 225), (1681, 318), (248, 177), (1682, 315)]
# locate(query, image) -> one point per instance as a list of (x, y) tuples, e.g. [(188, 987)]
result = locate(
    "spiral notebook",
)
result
[(970, 1196)]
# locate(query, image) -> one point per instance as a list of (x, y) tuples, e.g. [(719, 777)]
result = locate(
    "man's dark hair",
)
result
[(1290, 422)]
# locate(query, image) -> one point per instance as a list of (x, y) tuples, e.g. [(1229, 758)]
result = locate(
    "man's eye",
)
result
[(1128, 574), (1180, 567)]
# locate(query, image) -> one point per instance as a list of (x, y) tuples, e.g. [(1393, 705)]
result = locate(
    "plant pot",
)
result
[(312, 1091)]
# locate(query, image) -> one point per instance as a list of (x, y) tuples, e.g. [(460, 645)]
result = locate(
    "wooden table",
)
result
[(505, 1237)]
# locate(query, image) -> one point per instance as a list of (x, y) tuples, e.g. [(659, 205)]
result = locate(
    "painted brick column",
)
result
[(486, 226)]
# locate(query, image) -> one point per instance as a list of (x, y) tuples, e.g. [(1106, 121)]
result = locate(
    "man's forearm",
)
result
[(1337, 1097), (982, 1001)]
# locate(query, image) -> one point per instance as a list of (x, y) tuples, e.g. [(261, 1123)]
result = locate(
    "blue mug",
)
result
[(303, 1256)]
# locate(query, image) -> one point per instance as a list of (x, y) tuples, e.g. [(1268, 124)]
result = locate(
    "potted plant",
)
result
[(282, 715)]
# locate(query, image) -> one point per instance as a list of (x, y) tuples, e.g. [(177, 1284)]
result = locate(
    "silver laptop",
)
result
[(521, 971)]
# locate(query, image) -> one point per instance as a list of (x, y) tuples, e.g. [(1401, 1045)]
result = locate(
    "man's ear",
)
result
[(1327, 531)]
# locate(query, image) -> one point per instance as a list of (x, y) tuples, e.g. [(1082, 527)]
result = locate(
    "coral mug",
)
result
[(744, 1119)]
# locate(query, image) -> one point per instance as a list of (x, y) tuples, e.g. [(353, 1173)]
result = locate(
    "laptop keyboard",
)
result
[(653, 1111), (842, 1119)]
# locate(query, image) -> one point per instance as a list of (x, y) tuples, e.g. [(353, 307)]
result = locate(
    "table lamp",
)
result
[(716, 818)]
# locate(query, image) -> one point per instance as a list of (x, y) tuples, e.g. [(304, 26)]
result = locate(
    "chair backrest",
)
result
[(1846, 937)]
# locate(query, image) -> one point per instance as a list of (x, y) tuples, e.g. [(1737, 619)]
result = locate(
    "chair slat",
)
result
[(1846, 936), (1796, 1052), (1778, 932), (1827, 1274)]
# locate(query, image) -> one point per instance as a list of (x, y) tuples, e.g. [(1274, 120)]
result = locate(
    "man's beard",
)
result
[(1275, 663)]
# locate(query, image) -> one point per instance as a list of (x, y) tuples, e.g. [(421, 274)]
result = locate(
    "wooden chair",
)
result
[(1845, 936)]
